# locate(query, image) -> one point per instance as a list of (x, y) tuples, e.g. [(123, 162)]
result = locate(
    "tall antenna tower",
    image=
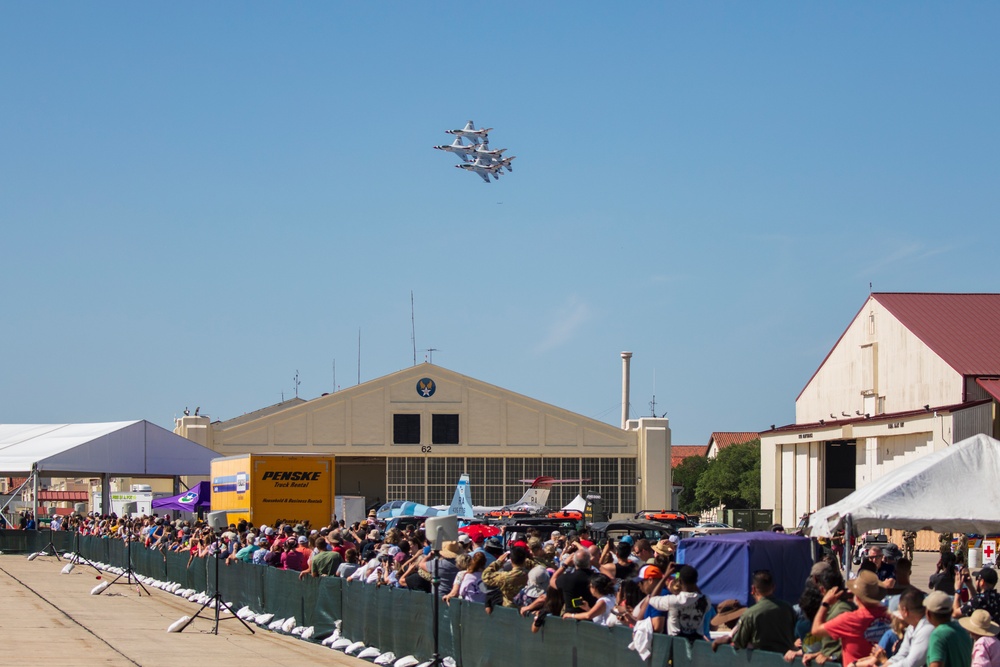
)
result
[(297, 382), (359, 355), (413, 330), (652, 403)]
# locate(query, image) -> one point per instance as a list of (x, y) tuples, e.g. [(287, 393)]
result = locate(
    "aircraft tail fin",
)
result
[(538, 492), (461, 505)]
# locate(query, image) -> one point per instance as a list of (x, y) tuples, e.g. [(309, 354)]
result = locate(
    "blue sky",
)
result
[(199, 200)]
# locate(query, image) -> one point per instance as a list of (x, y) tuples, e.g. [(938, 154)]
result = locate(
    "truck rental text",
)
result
[(266, 489)]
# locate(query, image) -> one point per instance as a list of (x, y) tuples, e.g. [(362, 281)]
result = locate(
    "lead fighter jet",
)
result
[(470, 132)]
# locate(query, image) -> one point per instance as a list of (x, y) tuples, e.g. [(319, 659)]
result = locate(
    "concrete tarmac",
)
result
[(50, 618)]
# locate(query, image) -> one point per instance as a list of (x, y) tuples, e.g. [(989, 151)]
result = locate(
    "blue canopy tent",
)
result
[(726, 563), (196, 498)]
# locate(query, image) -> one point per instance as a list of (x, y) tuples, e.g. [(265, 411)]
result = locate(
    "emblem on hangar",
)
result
[(426, 387)]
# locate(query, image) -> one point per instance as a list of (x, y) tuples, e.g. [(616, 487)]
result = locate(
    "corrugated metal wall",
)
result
[(970, 422)]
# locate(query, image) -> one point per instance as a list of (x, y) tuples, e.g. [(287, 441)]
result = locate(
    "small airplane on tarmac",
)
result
[(460, 505), (532, 502)]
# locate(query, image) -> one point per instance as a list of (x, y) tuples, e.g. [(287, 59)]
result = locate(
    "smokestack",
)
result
[(625, 386)]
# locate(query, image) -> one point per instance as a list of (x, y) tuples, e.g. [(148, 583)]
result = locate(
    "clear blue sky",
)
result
[(199, 199)]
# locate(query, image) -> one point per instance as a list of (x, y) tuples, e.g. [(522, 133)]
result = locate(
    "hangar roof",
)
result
[(959, 328)]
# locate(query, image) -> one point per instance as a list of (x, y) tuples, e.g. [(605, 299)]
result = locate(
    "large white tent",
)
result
[(952, 490), (119, 449), (105, 450)]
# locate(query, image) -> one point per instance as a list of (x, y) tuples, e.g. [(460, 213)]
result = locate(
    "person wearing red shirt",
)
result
[(858, 630)]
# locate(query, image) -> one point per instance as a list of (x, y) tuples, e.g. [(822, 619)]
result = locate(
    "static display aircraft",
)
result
[(470, 132), (461, 505), (530, 504)]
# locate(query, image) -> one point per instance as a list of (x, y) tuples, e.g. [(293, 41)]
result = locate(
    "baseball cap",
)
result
[(650, 572), (464, 539), (627, 539), (938, 602), (987, 574), (303, 539)]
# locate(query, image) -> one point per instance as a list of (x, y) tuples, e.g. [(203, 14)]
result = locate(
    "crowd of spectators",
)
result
[(876, 618)]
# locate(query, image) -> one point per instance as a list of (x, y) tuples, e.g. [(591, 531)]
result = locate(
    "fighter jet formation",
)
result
[(477, 156)]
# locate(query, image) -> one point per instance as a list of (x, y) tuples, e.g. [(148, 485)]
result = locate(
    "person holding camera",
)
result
[(573, 579)]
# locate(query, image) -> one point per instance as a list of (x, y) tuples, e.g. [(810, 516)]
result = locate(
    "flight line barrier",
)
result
[(394, 619)]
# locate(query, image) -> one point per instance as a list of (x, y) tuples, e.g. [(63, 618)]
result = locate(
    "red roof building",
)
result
[(723, 439), (912, 374), (680, 452)]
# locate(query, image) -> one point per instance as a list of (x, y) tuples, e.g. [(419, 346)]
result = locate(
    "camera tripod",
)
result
[(76, 558), (129, 573), (219, 602), (50, 549)]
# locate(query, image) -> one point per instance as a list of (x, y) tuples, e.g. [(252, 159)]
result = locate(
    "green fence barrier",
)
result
[(395, 619), (328, 605)]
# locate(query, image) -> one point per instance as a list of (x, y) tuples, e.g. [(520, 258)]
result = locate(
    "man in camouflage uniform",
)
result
[(509, 583), (909, 540), (944, 543)]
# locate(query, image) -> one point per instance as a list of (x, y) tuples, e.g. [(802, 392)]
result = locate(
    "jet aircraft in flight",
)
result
[(483, 168), (481, 136), (465, 151)]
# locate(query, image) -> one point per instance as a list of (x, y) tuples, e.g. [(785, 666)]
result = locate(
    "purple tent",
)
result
[(197, 497), (726, 563)]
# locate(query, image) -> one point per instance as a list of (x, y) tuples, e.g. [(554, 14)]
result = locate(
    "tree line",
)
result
[(732, 479)]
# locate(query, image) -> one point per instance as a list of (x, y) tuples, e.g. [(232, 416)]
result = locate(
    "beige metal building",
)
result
[(409, 435), (912, 374)]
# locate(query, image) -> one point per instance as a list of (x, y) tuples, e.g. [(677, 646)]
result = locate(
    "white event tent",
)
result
[(951, 490), (109, 449)]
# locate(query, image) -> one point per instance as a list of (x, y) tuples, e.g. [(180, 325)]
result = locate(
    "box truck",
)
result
[(350, 509), (267, 489)]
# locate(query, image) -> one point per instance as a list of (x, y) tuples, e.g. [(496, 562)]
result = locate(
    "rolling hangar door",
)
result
[(496, 480)]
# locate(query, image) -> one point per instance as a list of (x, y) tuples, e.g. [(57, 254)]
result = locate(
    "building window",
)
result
[(406, 429), (444, 429), (869, 373)]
